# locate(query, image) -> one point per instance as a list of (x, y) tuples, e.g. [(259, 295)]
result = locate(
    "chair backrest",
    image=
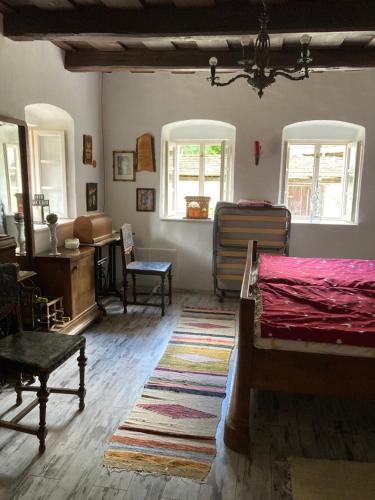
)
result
[(9, 298), (127, 243)]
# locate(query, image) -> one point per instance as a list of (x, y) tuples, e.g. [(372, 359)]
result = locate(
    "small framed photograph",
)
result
[(124, 165), (145, 200), (91, 196), (87, 150)]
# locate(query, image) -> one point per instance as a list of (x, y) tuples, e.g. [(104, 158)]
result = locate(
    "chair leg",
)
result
[(170, 285), (134, 288), (125, 297), (82, 361), (162, 292), (43, 399), (18, 388)]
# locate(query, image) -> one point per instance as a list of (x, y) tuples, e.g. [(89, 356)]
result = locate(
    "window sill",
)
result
[(324, 223), (43, 227), (183, 219)]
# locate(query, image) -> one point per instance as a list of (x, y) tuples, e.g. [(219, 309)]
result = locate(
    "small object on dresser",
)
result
[(52, 226), (39, 213), (197, 207), (92, 228), (19, 222), (72, 243)]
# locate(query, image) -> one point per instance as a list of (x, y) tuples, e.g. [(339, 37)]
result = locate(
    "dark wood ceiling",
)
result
[(181, 35)]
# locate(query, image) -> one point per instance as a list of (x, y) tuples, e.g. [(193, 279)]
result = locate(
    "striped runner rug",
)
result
[(171, 429)]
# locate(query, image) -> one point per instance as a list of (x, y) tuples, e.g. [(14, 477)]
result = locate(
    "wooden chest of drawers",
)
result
[(71, 275)]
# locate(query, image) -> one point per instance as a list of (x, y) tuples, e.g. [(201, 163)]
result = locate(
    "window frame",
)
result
[(35, 164), (226, 144), (318, 143), (15, 147)]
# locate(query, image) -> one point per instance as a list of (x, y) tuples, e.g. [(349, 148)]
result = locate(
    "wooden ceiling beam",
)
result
[(197, 60), (228, 18)]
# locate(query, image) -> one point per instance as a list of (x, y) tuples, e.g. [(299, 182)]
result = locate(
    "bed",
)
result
[(306, 326)]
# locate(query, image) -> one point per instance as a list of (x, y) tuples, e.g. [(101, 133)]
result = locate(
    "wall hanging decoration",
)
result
[(145, 200), (91, 196), (41, 207), (87, 149), (123, 165), (255, 60), (257, 151), (146, 153), (52, 226)]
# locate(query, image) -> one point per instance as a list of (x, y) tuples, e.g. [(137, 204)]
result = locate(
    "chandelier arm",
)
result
[(288, 70), (224, 84), (290, 77)]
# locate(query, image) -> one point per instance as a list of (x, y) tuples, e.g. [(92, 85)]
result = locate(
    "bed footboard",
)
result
[(236, 430)]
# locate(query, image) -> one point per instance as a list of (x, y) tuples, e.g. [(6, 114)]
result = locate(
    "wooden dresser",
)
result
[(71, 275)]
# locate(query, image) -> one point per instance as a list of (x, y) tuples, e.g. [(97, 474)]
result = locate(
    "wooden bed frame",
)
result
[(288, 371)]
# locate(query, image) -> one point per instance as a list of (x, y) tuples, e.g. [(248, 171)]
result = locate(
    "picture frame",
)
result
[(87, 150), (146, 200), (124, 166), (91, 196)]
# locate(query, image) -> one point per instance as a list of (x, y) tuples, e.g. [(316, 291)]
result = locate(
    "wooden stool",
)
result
[(39, 354)]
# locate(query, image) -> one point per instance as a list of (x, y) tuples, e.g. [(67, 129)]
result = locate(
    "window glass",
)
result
[(331, 180), (300, 172), (188, 164), (50, 169), (197, 169)]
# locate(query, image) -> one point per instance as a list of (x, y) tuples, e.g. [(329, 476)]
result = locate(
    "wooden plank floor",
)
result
[(122, 352)]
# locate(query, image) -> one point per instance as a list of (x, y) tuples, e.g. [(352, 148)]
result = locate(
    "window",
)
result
[(49, 168), (11, 173), (320, 180), (199, 168), (197, 160)]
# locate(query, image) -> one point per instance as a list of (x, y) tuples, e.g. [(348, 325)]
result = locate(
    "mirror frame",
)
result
[(25, 262)]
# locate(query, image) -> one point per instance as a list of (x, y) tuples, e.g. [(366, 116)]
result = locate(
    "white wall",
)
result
[(136, 103), (33, 72)]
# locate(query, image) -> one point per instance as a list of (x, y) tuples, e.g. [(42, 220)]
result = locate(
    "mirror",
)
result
[(16, 236)]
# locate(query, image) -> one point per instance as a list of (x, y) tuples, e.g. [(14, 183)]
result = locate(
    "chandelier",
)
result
[(255, 61)]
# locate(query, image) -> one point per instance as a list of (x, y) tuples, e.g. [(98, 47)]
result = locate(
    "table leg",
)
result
[(18, 388), (162, 292), (170, 285)]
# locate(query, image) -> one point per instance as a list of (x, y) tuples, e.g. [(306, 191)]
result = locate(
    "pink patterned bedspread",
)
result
[(318, 300)]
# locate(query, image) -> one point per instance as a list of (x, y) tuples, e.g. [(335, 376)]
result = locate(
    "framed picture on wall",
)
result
[(145, 200), (91, 196), (87, 149), (124, 165)]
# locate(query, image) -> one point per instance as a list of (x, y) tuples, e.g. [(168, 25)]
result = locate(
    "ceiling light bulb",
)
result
[(305, 39), (245, 41), (213, 61)]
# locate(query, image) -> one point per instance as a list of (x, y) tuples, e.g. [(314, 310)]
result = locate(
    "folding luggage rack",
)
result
[(234, 226)]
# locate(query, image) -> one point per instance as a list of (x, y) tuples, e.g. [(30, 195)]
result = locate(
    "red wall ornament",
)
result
[(257, 151)]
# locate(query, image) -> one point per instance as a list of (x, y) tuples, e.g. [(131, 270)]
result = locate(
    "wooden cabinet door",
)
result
[(82, 284)]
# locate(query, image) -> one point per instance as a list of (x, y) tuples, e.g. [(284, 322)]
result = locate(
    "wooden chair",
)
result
[(37, 354), (134, 267)]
